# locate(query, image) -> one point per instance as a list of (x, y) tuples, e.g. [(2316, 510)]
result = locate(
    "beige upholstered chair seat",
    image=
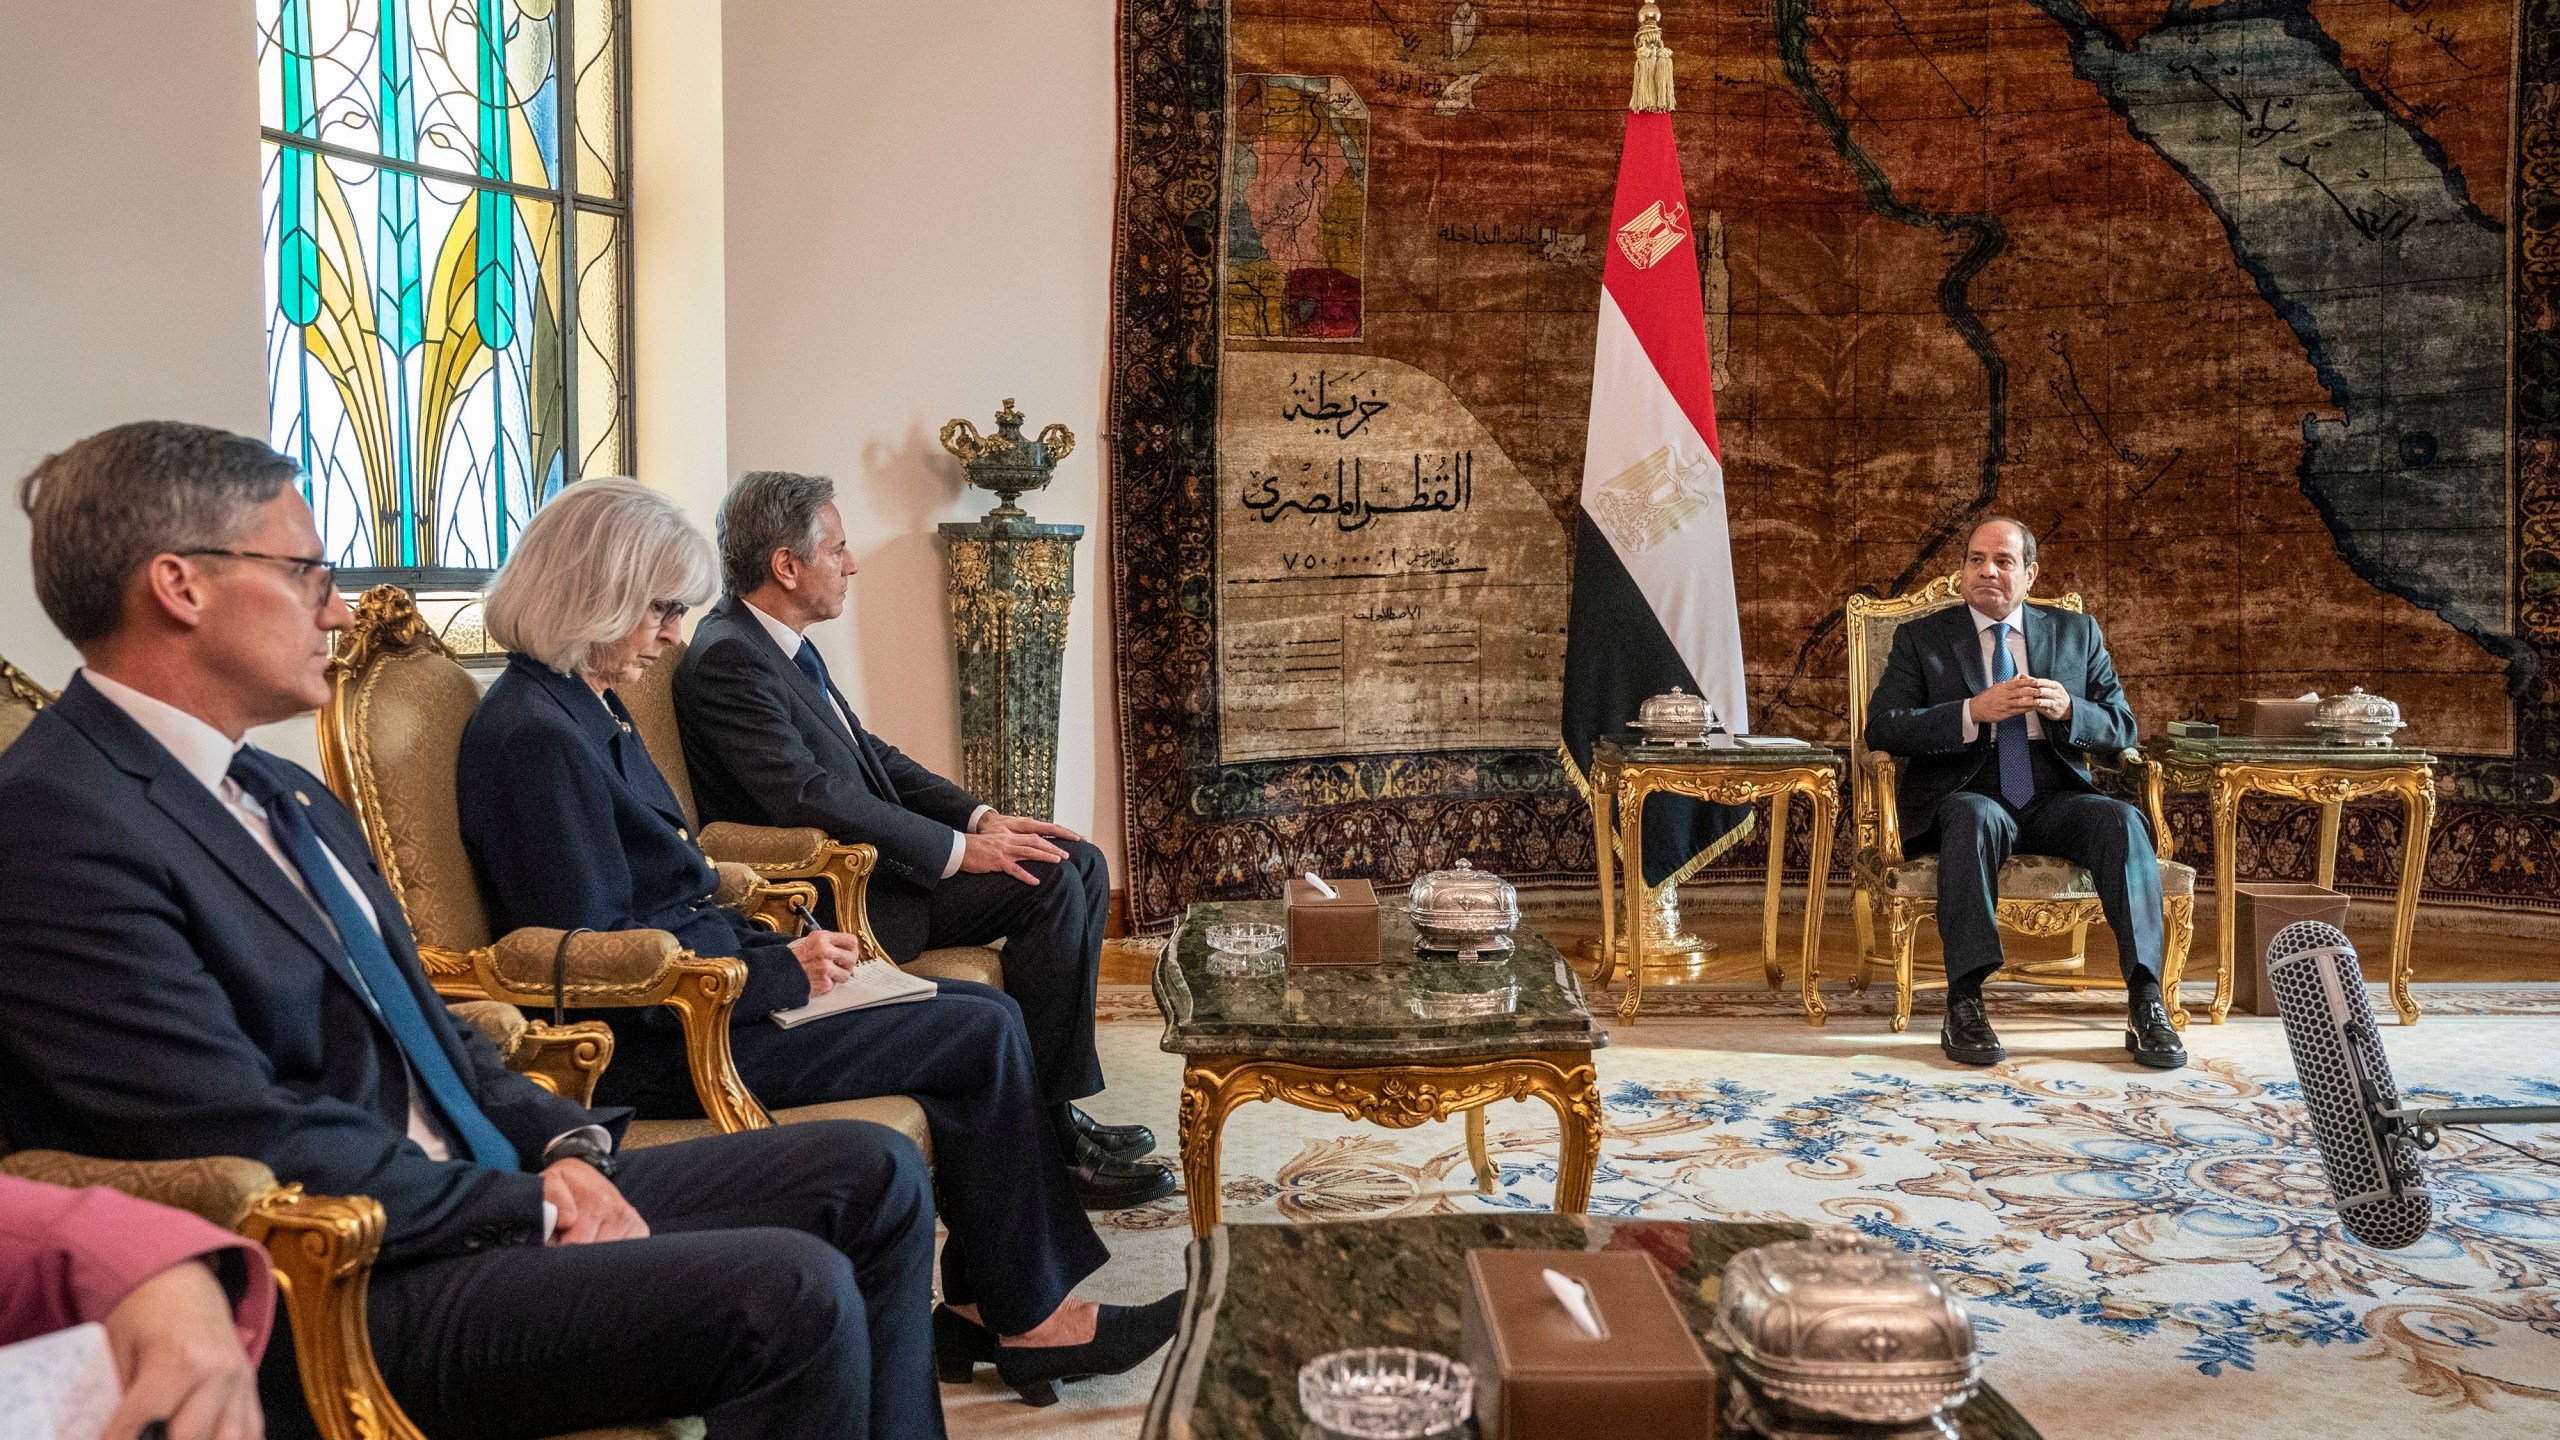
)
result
[(897, 1112), (979, 963), (2030, 877)]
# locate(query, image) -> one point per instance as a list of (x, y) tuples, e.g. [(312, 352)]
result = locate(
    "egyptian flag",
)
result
[(1653, 568)]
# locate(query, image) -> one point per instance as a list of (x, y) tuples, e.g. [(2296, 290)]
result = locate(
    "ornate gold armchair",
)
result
[(2039, 895), (389, 739), (776, 853)]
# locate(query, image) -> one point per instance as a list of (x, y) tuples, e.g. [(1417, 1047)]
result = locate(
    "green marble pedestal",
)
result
[(1011, 583)]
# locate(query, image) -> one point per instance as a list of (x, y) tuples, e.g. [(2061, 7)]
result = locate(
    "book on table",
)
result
[(873, 983)]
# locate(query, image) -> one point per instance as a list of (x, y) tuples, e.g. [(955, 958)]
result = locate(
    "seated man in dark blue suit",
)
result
[(198, 957), (1992, 706), (770, 740)]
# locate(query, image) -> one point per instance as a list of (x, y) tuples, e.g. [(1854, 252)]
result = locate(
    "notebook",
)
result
[(874, 982), (60, 1386)]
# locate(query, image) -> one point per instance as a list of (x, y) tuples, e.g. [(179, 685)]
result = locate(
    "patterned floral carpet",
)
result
[(2141, 1250)]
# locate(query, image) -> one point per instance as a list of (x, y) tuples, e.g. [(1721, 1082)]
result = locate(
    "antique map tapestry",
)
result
[(2248, 308)]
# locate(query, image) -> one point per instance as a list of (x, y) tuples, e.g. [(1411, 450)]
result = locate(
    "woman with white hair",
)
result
[(570, 824)]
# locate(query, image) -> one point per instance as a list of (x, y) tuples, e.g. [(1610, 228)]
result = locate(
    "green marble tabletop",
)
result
[(1265, 1299), (1366, 1013), (1631, 748), (2286, 750)]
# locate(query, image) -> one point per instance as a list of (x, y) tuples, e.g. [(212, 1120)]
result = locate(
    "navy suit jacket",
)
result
[(1917, 714), (765, 748), (167, 992), (569, 824)]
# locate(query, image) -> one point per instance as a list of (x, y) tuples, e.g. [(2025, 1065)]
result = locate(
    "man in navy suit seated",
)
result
[(198, 957), (1992, 706), (770, 740)]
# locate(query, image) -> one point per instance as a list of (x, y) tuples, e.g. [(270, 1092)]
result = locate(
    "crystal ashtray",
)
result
[(1386, 1393), (1245, 948)]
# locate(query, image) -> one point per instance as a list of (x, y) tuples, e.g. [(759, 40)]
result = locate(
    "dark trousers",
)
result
[(785, 1290), (1974, 834), (1020, 1240), (1052, 954)]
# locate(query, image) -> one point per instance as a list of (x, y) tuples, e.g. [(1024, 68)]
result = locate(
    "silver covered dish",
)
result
[(2356, 718), (1839, 1331), (1465, 909), (1676, 716)]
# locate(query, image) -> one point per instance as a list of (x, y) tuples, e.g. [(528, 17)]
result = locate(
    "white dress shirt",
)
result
[(206, 754), (2017, 652), (790, 640)]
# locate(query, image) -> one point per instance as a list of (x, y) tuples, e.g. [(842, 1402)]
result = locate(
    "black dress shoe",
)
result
[(1104, 1181), (1126, 1142), (2148, 1034), (960, 1345), (1123, 1335), (1966, 1034)]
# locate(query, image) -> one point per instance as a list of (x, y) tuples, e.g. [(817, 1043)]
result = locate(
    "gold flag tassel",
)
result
[(1653, 64)]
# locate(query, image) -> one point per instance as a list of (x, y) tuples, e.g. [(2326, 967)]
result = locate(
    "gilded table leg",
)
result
[(2419, 802), (2330, 811), (2226, 877), (1575, 1094), (1817, 880), (1477, 1154), (1631, 855), (1604, 784), (1206, 1099), (1769, 903)]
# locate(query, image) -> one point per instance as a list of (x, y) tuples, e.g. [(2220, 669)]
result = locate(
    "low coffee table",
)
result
[(1265, 1299), (1354, 1040)]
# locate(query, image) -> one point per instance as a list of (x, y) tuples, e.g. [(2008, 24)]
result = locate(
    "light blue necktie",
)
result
[(2017, 768), (385, 986)]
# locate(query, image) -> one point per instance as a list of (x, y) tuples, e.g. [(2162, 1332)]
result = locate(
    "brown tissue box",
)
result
[(2267, 906), (1538, 1377), (1340, 931), (2279, 719)]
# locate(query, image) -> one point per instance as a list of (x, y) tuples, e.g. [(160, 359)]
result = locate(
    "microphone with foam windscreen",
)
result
[(2368, 1143)]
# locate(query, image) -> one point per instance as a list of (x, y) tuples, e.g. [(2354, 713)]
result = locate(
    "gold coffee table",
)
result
[(2227, 770), (1356, 1040), (1624, 771)]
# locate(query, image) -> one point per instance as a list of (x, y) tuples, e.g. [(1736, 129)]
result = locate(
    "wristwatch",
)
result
[(579, 1147)]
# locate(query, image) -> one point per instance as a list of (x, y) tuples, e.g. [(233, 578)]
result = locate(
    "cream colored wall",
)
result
[(919, 225)]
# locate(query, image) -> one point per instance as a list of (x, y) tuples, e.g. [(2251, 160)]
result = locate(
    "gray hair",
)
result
[(104, 507), (2026, 537), (588, 567), (768, 510)]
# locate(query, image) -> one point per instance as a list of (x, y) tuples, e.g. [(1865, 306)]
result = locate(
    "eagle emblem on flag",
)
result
[(1656, 231)]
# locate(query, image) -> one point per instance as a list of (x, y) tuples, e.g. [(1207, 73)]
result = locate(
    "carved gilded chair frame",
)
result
[(1878, 825), (700, 989)]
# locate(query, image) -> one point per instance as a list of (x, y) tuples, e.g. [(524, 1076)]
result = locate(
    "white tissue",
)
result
[(1576, 1299), (1322, 888)]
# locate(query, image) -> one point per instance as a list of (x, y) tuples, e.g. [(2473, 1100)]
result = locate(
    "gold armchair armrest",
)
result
[(773, 904), (566, 1060), (617, 970), (322, 1246), (2146, 773), (1875, 773), (804, 853)]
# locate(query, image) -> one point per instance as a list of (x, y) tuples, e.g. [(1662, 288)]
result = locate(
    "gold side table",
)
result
[(2227, 770), (1624, 772)]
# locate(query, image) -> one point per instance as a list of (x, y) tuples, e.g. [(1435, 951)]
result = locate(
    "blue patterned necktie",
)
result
[(385, 986), (2017, 768)]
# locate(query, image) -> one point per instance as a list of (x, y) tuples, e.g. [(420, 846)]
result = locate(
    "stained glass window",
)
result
[(436, 172)]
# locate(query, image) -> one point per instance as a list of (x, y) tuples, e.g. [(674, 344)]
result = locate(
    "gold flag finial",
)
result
[(1653, 64)]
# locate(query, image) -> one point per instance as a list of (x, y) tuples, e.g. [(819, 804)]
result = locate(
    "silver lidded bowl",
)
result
[(1840, 1329), (1676, 716), (1463, 908), (2356, 718)]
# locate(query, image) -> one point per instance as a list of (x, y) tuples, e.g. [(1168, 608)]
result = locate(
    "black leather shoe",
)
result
[(960, 1345), (1103, 1181), (1123, 1335), (2149, 1036), (1966, 1034), (1126, 1142)]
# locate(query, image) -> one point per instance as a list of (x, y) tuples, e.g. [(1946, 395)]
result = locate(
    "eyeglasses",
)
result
[(668, 611), (303, 568)]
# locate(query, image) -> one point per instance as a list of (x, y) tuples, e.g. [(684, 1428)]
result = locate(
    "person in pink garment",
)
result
[(186, 1304)]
